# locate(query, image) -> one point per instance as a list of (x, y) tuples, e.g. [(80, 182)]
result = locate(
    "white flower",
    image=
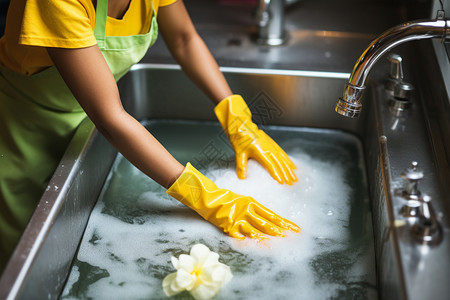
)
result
[(200, 273)]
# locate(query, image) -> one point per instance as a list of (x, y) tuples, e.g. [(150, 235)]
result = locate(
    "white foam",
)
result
[(137, 256)]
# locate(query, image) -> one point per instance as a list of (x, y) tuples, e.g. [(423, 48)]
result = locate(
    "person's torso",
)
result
[(30, 59)]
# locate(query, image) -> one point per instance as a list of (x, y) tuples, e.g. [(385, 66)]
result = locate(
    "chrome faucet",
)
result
[(427, 229), (270, 21), (349, 104)]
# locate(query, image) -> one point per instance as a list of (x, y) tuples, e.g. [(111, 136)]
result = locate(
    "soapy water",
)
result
[(135, 228)]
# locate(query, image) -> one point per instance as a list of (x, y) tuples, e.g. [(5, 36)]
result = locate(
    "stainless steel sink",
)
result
[(44, 256), (282, 91), (297, 99)]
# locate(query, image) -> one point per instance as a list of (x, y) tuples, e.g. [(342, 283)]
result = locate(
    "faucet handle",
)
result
[(396, 66), (395, 74), (427, 229), (403, 90), (411, 176)]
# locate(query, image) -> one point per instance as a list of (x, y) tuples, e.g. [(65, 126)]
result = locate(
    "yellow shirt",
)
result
[(32, 25)]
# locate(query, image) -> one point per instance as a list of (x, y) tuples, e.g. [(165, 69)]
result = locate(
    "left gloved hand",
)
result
[(250, 142)]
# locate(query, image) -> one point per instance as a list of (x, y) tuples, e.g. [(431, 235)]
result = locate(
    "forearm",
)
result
[(197, 62), (191, 53), (91, 82), (141, 148)]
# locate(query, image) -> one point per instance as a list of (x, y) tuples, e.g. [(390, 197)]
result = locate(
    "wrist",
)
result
[(190, 186), (231, 109), (174, 176)]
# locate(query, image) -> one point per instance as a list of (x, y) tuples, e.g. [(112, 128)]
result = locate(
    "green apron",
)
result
[(38, 116)]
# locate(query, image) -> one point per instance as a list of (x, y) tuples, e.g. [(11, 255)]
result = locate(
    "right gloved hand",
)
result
[(250, 142), (239, 216)]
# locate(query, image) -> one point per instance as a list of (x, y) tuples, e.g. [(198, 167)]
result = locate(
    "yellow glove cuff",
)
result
[(230, 109), (190, 188)]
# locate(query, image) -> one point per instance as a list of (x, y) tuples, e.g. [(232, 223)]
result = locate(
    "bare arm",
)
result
[(88, 76), (190, 51)]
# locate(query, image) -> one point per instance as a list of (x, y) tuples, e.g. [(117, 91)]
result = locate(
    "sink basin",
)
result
[(297, 109), (333, 257)]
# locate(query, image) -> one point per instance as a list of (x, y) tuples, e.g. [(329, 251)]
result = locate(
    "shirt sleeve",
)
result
[(166, 2), (58, 23)]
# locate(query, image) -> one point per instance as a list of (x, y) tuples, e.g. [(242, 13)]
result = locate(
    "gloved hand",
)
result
[(239, 216), (250, 142)]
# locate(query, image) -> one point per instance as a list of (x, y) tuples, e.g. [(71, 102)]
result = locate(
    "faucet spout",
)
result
[(270, 20), (262, 13), (349, 104)]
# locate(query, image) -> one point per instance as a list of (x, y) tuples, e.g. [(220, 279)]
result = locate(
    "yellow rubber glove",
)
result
[(250, 142), (237, 215)]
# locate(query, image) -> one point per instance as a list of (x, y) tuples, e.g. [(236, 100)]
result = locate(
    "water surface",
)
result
[(135, 227)]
